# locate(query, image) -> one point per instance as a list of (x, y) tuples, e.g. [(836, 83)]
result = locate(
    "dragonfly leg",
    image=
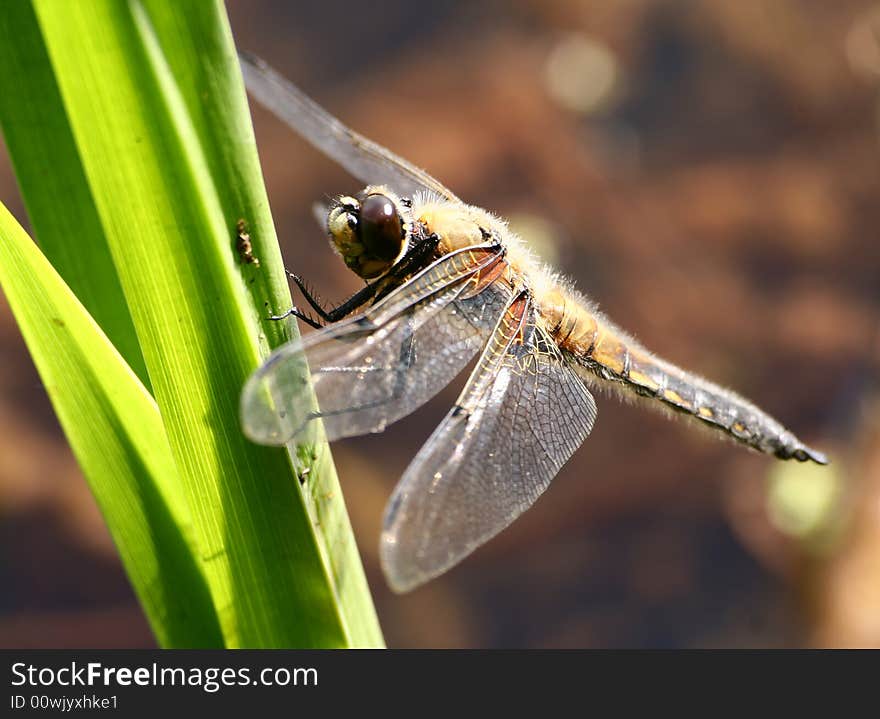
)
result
[(412, 261), (299, 314), (358, 299), (310, 298), (416, 256)]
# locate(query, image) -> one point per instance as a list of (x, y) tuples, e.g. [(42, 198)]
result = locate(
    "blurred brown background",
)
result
[(708, 172)]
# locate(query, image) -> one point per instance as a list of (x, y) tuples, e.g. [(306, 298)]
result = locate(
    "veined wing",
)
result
[(377, 367), (366, 160), (520, 417)]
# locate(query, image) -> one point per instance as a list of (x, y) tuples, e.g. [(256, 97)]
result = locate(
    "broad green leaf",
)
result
[(114, 428)]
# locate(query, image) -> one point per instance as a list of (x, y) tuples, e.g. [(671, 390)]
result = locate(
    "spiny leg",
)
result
[(413, 260), (294, 312), (359, 298)]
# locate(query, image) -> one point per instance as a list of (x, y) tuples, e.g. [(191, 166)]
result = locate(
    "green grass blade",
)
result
[(214, 99), (53, 182), (157, 111), (116, 433), (208, 80)]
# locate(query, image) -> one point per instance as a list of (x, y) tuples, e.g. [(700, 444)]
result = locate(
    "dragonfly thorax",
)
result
[(369, 232)]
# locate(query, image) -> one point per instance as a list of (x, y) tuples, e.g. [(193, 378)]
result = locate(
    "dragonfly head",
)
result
[(370, 231)]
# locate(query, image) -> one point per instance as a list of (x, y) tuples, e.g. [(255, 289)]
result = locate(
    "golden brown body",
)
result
[(601, 350), (445, 279)]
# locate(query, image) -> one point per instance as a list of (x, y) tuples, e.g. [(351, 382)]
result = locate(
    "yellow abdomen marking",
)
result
[(673, 396)]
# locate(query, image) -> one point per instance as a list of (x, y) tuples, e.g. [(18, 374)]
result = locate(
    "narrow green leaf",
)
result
[(114, 428), (52, 180), (156, 108), (196, 45), (206, 70)]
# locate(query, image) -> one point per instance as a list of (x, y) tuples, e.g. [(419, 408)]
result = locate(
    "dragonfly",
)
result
[(446, 282)]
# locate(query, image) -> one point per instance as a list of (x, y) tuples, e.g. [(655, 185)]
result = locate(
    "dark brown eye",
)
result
[(380, 227)]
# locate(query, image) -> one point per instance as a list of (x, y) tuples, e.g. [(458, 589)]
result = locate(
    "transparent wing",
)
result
[(366, 160), (379, 366), (522, 414)]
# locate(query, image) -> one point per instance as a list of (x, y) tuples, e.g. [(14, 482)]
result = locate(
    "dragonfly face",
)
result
[(370, 232), (450, 282)]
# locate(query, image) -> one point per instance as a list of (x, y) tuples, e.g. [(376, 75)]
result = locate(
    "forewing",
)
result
[(376, 368), (366, 160), (522, 414)]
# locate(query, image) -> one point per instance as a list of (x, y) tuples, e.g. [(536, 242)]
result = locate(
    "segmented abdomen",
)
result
[(609, 354)]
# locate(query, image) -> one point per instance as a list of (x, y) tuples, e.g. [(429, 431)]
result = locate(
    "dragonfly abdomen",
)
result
[(608, 354)]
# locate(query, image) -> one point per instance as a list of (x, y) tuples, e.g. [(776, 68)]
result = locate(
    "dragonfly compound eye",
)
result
[(380, 228), (369, 234)]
